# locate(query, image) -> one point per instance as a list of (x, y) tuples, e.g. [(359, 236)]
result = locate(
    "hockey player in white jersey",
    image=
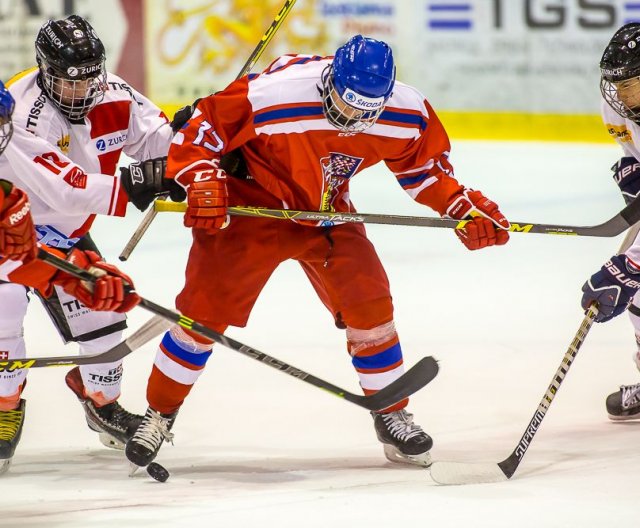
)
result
[(614, 287), (18, 264), (72, 121)]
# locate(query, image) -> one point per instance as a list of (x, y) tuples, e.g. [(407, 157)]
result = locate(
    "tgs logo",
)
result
[(101, 145)]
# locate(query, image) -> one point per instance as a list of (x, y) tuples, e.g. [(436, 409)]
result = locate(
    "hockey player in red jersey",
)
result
[(72, 122), (614, 287), (305, 127)]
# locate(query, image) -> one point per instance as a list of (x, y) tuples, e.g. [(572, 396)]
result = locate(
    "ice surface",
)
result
[(257, 448)]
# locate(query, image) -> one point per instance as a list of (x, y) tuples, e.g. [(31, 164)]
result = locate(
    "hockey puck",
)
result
[(157, 472)]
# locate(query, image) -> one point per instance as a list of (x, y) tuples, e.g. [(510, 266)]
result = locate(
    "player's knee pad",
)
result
[(359, 340), (192, 340), (101, 343), (376, 355), (102, 381), (13, 308), (11, 379), (180, 357), (75, 322)]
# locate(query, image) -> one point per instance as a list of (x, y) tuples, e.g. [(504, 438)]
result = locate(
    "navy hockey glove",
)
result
[(144, 181), (612, 287), (626, 174)]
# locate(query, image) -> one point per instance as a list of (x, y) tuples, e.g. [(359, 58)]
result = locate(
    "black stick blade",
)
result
[(423, 372)]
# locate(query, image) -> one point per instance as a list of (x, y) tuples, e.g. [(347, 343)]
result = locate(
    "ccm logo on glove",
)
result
[(208, 175)]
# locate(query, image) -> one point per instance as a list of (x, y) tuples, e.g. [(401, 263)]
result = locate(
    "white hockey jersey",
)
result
[(627, 134), (68, 170)]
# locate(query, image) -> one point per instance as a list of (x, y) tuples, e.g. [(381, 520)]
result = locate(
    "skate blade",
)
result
[(394, 455), (4, 465), (110, 441), (615, 418), (133, 468)]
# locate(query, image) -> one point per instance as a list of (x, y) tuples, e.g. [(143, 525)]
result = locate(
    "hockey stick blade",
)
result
[(461, 473), (444, 472), (150, 330), (413, 380), (612, 227), (423, 372)]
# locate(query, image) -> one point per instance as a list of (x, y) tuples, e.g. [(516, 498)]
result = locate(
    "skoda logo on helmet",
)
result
[(72, 71), (78, 33), (350, 97), (632, 44)]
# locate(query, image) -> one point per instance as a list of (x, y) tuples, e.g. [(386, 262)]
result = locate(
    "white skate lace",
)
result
[(153, 430), (630, 395), (400, 424)]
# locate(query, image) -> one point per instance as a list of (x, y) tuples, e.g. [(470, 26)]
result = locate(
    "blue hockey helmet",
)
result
[(358, 84), (7, 104)]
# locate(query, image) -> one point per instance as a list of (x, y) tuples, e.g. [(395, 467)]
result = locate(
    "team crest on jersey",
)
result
[(77, 178), (619, 133), (63, 144), (337, 168)]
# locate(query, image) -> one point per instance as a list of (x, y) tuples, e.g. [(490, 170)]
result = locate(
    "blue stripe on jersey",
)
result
[(253, 76), (383, 359), (413, 180), (410, 119), (174, 348), (298, 111), (296, 62)]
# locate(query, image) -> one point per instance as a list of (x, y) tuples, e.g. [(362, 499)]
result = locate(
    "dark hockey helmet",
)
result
[(620, 72), (358, 84), (71, 59), (7, 104)]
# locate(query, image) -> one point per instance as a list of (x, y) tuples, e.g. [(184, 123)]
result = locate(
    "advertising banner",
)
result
[(117, 22), (491, 68)]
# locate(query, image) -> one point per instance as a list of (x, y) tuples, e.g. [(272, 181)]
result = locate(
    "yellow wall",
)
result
[(518, 126)]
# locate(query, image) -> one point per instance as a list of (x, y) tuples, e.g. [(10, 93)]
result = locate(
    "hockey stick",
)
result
[(151, 329), (251, 61), (612, 227), (478, 472), (411, 381)]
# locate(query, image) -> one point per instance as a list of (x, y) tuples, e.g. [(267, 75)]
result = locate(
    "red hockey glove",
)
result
[(17, 234), (207, 204), (107, 293), (487, 225)]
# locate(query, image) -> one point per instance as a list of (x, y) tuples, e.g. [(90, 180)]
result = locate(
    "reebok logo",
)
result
[(18, 216)]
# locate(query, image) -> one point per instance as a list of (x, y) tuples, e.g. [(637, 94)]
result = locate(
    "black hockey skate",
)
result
[(624, 404), (113, 424), (404, 441), (145, 444), (11, 423)]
